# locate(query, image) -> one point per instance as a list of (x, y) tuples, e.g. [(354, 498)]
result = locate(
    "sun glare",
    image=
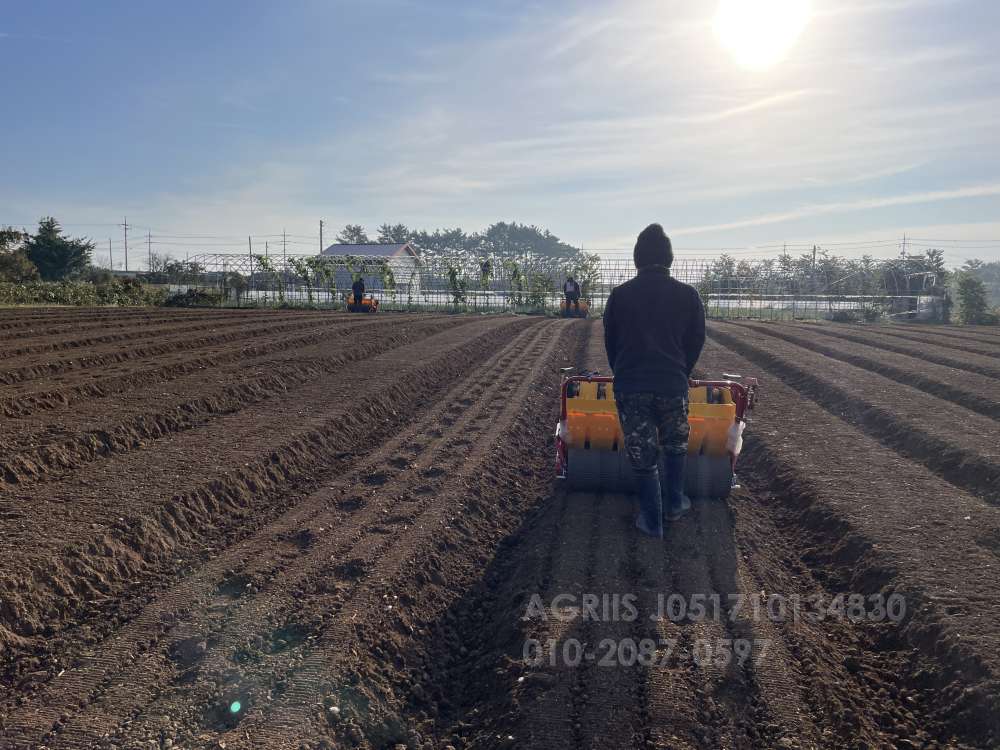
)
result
[(760, 33)]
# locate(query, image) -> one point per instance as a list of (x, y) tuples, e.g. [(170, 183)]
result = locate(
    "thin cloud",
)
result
[(409, 78), (977, 191), (583, 32), (877, 6)]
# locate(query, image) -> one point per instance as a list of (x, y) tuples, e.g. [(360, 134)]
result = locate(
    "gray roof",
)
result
[(373, 250)]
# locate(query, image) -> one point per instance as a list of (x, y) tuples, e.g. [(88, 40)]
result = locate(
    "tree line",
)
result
[(528, 259), (820, 272), (509, 239)]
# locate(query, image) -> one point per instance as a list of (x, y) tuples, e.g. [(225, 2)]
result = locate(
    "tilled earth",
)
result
[(315, 530)]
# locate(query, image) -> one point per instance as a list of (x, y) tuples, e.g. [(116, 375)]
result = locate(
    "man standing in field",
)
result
[(358, 290), (654, 330), (572, 291)]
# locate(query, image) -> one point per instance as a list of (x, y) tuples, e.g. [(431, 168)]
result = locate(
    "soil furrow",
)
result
[(304, 684), (351, 531), (93, 318), (986, 334), (45, 367), (550, 722), (958, 444), (937, 563), (151, 329), (971, 391), (181, 497), (944, 340), (18, 401), (348, 536), (776, 692), (150, 415), (610, 715), (924, 352)]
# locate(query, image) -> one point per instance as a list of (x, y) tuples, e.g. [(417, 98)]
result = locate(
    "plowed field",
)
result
[(313, 530)]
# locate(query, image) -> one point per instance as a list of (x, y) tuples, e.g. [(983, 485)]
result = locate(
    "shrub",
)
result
[(124, 292), (16, 267), (974, 309), (193, 298)]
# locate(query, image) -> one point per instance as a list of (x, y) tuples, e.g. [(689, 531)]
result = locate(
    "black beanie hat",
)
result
[(653, 248)]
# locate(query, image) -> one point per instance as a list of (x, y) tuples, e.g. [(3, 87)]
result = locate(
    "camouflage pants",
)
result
[(652, 423)]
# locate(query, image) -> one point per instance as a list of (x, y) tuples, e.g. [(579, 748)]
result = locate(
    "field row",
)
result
[(338, 524)]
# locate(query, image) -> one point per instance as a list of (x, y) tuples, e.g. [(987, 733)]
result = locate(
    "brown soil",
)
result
[(341, 523), (922, 350)]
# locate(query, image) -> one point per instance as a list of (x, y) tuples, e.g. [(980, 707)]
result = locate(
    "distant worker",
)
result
[(654, 330), (572, 291), (358, 289)]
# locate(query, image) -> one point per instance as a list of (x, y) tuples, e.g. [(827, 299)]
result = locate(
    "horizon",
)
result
[(859, 123)]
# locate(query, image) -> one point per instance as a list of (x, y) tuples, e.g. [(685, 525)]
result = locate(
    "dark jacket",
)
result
[(358, 287), (654, 330)]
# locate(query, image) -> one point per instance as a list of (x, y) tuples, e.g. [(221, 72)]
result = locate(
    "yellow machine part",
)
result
[(592, 419)]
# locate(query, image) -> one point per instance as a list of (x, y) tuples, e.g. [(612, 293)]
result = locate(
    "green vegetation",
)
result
[(55, 256), (500, 239), (972, 299), (49, 268), (458, 287), (193, 298), (989, 274), (15, 265), (862, 284), (266, 267), (124, 292)]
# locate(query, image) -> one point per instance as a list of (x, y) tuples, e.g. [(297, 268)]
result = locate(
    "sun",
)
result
[(760, 33)]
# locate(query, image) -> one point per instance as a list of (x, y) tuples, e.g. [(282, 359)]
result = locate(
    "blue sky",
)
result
[(591, 118)]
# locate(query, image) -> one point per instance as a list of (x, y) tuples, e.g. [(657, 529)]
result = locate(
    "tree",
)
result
[(393, 234), (587, 273), (15, 265), (353, 234), (266, 266), (935, 261), (305, 272), (974, 309), (56, 256), (237, 282)]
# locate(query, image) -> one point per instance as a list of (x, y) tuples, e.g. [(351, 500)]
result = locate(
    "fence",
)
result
[(761, 289)]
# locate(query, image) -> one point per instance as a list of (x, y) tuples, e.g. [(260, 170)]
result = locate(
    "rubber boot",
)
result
[(650, 518), (675, 502)]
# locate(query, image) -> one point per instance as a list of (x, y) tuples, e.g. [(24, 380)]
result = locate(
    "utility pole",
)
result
[(125, 225), (283, 247), (320, 236), (250, 253), (149, 250), (111, 257)]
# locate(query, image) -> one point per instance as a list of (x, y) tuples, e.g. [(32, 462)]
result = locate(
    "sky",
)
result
[(206, 122)]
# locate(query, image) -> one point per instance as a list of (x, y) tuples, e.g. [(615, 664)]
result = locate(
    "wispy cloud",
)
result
[(843, 7), (976, 191), (409, 78), (590, 117)]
